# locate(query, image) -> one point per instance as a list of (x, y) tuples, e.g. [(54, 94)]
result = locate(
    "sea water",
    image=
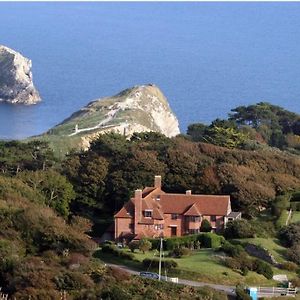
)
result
[(206, 57)]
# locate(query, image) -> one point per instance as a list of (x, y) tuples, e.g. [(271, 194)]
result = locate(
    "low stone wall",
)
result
[(261, 253)]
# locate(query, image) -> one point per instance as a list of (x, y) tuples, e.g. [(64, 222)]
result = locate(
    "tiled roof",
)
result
[(234, 214), (157, 214), (192, 211), (127, 211), (147, 190), (206, 204)]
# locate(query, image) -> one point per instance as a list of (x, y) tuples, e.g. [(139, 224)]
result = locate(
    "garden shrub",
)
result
[(165, 264), (108, 248), (211, 240), (133, 245), (179, 252), (239, 229), (232, 250), (205, 226), (144, 245)]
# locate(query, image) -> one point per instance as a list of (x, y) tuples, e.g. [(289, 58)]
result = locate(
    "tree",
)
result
[(290, 235), (145, 245), (205, 226), (58, 192), (197, 131), (238, 229)]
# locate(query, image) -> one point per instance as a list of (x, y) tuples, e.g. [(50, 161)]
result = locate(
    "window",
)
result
[(174, 216), (213, 218), (148, 213), (157, 198), (194, 219), (159, 226), (193, 231), (130, 226)]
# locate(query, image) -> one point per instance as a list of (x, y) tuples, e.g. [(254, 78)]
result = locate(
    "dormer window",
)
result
[(148, 213)]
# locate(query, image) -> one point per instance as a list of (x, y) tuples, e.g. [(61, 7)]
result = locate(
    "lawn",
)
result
[(204, 265), (295, 217), (272, 244)]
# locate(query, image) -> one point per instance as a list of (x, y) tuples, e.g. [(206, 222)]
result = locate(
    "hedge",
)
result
[(207, 240), (165, 264)]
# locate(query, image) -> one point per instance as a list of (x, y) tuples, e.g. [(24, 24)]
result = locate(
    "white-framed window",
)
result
[(148, 213), (159, 226)]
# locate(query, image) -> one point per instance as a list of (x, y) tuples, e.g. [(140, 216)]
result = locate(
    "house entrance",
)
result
[(173, 231)]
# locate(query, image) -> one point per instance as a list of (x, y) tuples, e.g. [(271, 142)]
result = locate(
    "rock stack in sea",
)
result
[(16, 85)]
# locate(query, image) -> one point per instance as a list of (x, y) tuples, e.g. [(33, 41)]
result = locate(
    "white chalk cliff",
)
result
[(138, 109), (16, 84)]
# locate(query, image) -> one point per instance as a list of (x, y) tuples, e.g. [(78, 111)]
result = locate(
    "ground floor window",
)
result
[(159, 226)]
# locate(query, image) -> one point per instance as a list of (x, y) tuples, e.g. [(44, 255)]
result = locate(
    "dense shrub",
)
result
[(184, 241), (239, 229), (263, 268), (241, 293), (205, 226), (232, 263), (295, 206), (293, 254), (211, 240), (107, 248), (165, 264), (179, 252), (133, 245), (232, 250), (280, 205), (290, 235), (112, 249), (290, 266), (144, 245)]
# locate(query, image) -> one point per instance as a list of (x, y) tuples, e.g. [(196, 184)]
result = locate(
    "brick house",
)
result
[(153, 213)]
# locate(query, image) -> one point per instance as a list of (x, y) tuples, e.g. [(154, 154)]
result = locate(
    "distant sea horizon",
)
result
[(207, 58)]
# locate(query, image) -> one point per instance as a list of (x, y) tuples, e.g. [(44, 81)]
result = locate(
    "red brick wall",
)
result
[(122, 225)]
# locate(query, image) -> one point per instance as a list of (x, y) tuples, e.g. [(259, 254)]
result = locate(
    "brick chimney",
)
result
[(137, 208), (188, 192), (157, 181)]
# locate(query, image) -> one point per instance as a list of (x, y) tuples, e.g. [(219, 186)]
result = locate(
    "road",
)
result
[(229, 290)]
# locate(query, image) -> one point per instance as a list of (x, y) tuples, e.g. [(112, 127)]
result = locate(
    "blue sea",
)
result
[(206, 57)]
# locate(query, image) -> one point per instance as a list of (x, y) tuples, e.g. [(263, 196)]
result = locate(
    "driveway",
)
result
[(229, 290)]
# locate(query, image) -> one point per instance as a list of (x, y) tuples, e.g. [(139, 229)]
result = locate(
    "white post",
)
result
[(160, 253)]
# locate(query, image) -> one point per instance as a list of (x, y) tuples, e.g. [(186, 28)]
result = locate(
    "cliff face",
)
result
[(138, 109), (16, 84)]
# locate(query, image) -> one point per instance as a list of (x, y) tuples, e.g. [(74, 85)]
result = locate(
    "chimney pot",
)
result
[(188, 192), (157, 181), (138, 194)]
